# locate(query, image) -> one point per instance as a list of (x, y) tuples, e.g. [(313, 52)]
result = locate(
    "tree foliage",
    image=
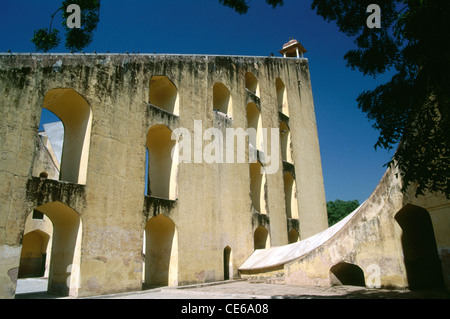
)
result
[(242, 6), (46, 39), (339, 209), (412, 109)]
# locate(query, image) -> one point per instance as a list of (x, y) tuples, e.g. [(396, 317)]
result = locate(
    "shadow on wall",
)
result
[(422, 262)]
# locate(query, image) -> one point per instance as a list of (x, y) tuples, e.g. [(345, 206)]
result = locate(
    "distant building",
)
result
[(293, 49)]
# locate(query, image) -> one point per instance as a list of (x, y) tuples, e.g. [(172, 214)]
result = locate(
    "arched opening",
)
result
[(257, 187), (251, 83), (222, 101), (65, 252), (282, 97), (285, 139), (50, 146), (261, 238), (43, 175), (422, 262), (293, 236), (162, 163), (161, 252), (346, 274), (76, 116), (227, 264), (254, 121), (164, 94), (33, 257), (290, 193)]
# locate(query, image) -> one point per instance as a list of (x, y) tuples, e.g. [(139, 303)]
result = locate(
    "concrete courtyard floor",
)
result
[(35, 288)]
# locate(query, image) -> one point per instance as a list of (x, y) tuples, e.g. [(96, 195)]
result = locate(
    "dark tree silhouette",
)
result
[(76, 38)]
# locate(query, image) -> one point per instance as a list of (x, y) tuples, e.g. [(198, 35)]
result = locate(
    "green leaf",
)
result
[(412, 109), (44, 40)]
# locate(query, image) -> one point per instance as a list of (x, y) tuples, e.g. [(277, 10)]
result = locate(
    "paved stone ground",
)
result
[(35, 288)]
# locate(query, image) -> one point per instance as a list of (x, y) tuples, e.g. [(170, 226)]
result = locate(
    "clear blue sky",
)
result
[(351, 166)]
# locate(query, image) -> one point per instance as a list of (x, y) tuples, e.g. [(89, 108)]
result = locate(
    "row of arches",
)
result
[(164, 94), (158, 152), (252, 85), (56, 251), (52, 248), (74, 111), (258, 191), (257, 174), (161, 158), (261, 237), (254, 120), (75, 114)]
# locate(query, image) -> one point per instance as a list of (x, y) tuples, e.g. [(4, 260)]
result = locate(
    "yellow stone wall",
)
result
[(372, 240), (211, 208)]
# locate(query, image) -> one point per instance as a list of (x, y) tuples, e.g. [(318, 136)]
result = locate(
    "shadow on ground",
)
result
[(374, 294), (37, 295), (36, 288)]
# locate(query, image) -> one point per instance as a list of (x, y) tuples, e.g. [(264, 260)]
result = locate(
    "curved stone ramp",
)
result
[(263, 259), (363, 249)]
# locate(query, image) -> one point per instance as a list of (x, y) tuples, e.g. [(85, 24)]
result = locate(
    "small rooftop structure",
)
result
[(293, 49)]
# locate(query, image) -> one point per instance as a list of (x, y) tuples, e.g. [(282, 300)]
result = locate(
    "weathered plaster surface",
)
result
[(369, 237), (213, 206)]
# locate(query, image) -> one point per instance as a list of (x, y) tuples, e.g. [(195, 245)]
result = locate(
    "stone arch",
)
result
[(285, 139), (422, 263), (290, 193), (251, 83), (65, 254), (254, 121), (222, 100), (50, 145), (33, 256), (257, 187), (76, 115), (346, 274), (261, 238), (164, 94), (293, 236), (162, 163), (43, 175), (282, 96), (161, 252), (227, 264)]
